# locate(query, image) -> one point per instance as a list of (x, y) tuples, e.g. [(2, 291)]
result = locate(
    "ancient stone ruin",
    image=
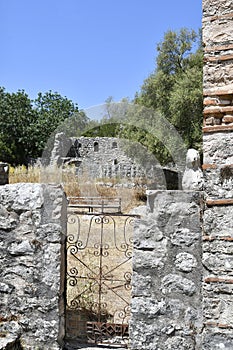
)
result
[(218, 159), (182, 285), (182, 266), (33, 232), (108, 158), (99, 157)]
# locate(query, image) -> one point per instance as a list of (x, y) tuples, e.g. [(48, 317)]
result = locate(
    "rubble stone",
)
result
[(32, 231)]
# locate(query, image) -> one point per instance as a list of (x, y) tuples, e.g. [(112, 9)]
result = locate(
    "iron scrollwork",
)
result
[(99, 252)]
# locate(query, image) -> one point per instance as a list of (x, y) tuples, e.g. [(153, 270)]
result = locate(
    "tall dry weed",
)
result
[(22, 173), (82, 185)]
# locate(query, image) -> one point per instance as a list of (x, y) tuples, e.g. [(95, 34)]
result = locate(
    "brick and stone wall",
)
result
[(218, 171), (218, 68), (32, 236), (167, 277)]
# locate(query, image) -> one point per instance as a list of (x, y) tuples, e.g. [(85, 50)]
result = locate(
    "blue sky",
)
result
[(86, 50)]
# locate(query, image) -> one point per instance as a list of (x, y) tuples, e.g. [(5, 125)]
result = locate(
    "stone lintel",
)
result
[(219, 325), (219, 91), (213, 238), (209, 166)]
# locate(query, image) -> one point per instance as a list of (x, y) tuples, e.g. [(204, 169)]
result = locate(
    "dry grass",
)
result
[(70, 182), (76, 186), (23, 174), (109, 192), (38, 174)]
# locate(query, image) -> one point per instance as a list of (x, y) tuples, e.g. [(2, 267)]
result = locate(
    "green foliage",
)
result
[(109, 125), (51, 111), (16, 118), (186, 106), (26, 125), (174, 51), (102, 130), (175, 87)]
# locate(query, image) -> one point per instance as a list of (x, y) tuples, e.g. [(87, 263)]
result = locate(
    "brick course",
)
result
[(218, 159)]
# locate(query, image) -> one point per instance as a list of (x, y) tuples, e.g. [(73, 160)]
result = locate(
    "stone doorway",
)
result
[(98, 273)]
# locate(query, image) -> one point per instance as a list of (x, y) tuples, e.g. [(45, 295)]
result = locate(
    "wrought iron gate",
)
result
[(99, 269)]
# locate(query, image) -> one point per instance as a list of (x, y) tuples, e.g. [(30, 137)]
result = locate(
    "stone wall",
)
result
[(112, 158), (218, 171), (104, 157), (167, 277), (95, 157), (32, 232), (218, 68)]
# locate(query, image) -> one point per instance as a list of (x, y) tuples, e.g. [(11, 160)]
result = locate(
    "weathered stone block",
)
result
[(217, 31), (218, 74), (218, 221), (180, 343), (216, 7), (216, 339), (219, 264), (218, 148), (173, 284), (217, 185), (219, 309), (166, 295), (155, 259), (32, 229), (218, 247), (141, 285), (185, 262), (147, 234)]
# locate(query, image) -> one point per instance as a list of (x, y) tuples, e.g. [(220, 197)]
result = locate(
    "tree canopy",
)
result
[(172, 92), (175, 87), (25, 125)]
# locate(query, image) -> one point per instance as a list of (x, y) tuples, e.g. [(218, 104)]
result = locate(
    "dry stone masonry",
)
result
[(218, 171), (218, 70), (167, 278), (104, 158), (32, 233), (96, 157), (183, 279), (183, 244)]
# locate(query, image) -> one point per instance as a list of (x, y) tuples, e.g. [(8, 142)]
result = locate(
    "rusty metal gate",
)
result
[(99, 270)]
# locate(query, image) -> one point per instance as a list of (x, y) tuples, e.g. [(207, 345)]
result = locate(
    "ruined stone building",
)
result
[(108, 158), (182, 265), (102, 157)]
